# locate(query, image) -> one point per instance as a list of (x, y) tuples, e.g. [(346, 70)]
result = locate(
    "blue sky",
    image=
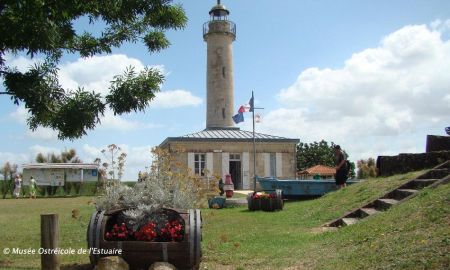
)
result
[(369, 75)]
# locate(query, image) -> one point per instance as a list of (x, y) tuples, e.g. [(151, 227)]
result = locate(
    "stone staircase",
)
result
[(434, 177)]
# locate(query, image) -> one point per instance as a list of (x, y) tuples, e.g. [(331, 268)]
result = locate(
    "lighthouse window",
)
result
[(199, 164), (223, 72)]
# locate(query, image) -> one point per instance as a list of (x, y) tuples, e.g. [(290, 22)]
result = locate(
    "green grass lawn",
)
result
[(413, 235)]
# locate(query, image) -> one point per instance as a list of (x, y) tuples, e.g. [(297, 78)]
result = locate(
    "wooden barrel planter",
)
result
[(252, 203), (186, 254), (273, 203), (279, 199)]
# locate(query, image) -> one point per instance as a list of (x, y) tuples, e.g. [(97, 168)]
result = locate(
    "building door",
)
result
[(236, 170)]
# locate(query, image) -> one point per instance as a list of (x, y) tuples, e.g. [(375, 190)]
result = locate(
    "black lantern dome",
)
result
[(219, 12)]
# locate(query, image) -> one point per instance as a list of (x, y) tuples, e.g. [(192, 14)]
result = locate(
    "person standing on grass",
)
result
[(32, 188), (341, 167), (17, 186)]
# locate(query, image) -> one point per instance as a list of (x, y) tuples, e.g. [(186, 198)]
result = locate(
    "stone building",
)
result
[(221, 148)]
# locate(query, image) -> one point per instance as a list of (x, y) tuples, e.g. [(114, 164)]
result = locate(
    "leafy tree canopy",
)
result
[(45, 27), (66, 156), (318, 153)]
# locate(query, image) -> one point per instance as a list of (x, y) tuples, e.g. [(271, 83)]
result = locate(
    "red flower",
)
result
[(117, 233), (172, 231), (146, 233)]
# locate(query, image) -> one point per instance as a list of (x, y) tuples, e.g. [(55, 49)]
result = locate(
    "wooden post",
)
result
[(49, 241)]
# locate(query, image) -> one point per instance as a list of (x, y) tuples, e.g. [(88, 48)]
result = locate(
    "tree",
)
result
[(40, 158), (6, 184), (45, 28), (66, 156), (367, 168), (309, 155), (312, 154)]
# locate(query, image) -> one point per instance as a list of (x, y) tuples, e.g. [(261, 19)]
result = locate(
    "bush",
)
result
[(367, 168), (168, 185)]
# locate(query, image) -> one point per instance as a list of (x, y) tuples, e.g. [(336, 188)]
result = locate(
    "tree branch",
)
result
[(5, 93)]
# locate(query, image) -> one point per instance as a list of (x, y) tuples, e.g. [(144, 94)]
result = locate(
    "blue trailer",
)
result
[(300, 188)]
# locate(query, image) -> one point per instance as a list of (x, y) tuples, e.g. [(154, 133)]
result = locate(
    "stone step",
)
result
[(349, 221), (419, 183), (403, 193), (435, 174), (365, 212), (384, 204), (445, 165), (400, 193)]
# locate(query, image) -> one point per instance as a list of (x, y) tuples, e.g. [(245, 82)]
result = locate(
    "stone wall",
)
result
[(438, 143), (403, 163)]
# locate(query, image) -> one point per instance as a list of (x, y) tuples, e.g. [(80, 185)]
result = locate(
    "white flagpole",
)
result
[(254, 143)]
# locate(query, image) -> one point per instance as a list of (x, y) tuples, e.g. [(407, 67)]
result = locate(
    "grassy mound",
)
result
[(413, 235)]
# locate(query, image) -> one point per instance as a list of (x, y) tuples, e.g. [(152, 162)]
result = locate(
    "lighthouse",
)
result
[(222, 150), (219, 33)]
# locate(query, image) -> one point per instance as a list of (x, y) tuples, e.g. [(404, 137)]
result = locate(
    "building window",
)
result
[(235, 157), (199, 164), (273, 165)]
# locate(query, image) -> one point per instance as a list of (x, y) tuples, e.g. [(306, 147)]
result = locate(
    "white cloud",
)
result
[(45, 150), (20, 115), (14, 158), (174, 99), (42, 133), (384, 100), (117, 122), (20, 62), (27, 157), (440, 25), (95, 73)]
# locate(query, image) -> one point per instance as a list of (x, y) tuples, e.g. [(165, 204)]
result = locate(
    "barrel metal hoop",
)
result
[(191, 235), (198, 235), (164, 252), (98, 231), (120, 246), (91, 230)]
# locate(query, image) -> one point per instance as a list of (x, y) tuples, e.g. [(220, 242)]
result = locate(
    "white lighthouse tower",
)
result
[(219, 34), (222, 149)]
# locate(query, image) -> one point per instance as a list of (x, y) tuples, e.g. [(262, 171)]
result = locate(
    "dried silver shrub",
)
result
[(168, 185)]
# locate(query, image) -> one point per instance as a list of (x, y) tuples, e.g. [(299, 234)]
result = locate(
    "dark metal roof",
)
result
[(228, 134)]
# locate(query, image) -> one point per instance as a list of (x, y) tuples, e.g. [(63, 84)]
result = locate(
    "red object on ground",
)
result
[(228, 179), (228, 187)]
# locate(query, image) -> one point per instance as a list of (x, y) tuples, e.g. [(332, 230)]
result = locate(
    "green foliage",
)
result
[(7, 185), (45, 28), (66, 156), (40, 158), (352, 171), (367, 168), (312, 154), (131, 92)]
